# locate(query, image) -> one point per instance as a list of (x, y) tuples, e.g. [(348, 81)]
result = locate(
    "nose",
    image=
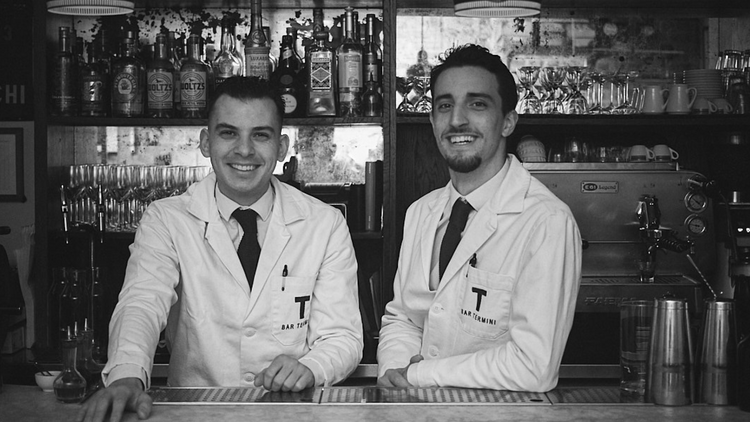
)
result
[(244, 147), (458, 117)]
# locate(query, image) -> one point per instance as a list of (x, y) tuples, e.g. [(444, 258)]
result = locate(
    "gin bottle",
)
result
[(159, 76), (64, 99), (256, 50), (321, 86), (349, 59), (128, 82), (194, 81)]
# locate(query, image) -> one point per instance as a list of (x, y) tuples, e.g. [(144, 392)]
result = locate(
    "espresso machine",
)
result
[(647, 232)]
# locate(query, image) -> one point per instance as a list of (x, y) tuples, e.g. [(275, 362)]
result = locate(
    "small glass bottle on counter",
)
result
[(70, 385)]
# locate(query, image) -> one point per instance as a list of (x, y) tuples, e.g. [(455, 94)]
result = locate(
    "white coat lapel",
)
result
[(428, 230), (481, 228), (218, 239)]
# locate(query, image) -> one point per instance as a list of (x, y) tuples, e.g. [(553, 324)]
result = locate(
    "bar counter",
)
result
[(28, 403)]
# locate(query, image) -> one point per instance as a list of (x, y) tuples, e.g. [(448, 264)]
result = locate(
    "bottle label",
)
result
[(92, 94), (127, 100), (193, 90), (290, 103), (286, 54), (350, 70), (160, 90), (321, 71), (257, 62)]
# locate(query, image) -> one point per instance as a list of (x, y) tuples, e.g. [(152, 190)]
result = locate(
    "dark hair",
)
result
[(248, 88), (476, 55)]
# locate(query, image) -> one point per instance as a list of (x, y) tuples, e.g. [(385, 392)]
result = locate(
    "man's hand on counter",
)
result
[(122, 395), (397, 377), (285, 374)]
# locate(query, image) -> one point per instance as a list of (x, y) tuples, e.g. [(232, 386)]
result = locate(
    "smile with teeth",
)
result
[(461, 139), (244, 167)]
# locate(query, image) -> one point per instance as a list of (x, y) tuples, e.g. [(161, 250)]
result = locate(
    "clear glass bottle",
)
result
[(85, 364), (128, 82), (288, 81), (349, 59), (321, 85), (97, 320), (194, 81), (59, 280), (373, 56), (273, 62), (229, 61), (256, 49), (64, 73), (70, 385), (160, 82), (297, 61)]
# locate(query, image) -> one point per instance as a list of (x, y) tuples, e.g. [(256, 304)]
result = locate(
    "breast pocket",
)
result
[(292, 297), (485, 304)]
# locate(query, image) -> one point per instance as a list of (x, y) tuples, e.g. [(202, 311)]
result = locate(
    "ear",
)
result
[(283, 148), (204, 144), (509, 123)]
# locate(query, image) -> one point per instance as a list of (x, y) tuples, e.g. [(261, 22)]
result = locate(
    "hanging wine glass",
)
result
[(424, 104), (529, 101), (575, 102), (404, 86)]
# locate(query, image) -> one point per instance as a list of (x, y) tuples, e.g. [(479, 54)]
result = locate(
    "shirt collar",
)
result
[(262, 206), (481, 195)]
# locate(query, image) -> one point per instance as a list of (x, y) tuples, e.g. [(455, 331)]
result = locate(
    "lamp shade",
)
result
[(90, 7), (496, 8)]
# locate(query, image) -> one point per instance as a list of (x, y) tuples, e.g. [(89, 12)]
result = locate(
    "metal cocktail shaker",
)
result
[(670, 360), (717, 356)]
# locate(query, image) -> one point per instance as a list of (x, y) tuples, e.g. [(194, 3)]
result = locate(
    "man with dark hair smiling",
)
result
[(254, 281), (490, 264)]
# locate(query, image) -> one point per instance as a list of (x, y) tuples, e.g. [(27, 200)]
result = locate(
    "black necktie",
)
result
[(249, 250), (456, 224)]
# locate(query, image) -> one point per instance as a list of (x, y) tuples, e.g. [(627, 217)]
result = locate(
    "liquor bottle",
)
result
[(256, 50), (69, 386), (372, 57), (94, 84), (194, 81), (287, 79), (64, 93), (372, 100), (229, 61), (160, 81), (349, 59), (273, 62), (321, 85), (297, 60), (177, 57), (128, 82)]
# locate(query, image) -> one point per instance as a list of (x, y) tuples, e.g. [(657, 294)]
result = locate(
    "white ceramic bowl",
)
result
[(45, 381)]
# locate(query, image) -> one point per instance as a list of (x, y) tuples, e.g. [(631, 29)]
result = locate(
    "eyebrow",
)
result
[(222, 125), (472, 95)]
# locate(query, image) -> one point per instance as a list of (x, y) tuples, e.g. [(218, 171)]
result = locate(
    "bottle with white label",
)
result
[(349, 59), (128, 82), (256, 49), (194, 81), (159, 81)]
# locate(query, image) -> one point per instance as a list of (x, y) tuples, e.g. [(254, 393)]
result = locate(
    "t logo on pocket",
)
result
[(480, 294), (302, 300)]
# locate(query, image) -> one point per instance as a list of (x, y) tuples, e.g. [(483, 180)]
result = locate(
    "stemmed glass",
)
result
[(424, 104), (575, 102), (551, 79), (529, 101), (594, 93), (404, 86)]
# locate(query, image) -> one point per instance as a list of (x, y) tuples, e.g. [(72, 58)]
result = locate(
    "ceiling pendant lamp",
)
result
[(90, 7), (496, 8)]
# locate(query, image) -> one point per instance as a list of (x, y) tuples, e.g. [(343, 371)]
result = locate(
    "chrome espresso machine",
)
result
[(647, 231)]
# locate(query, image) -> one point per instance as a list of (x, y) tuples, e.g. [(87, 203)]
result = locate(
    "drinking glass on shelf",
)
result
[(594, 93), (576, 78), (551, 79), (404, 86), (529, 101)]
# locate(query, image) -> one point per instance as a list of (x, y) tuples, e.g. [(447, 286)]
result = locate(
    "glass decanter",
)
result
[(69, 386)]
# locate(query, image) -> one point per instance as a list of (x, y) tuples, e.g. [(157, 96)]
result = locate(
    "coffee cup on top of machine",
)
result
[(663, 153), (640, 154)]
